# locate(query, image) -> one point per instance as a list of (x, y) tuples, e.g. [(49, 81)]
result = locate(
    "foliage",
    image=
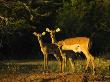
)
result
[(86, 18), (19, 18), (82, 15)]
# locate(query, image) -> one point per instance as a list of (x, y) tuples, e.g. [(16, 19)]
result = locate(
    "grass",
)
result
[(33, 70), (102, 67)]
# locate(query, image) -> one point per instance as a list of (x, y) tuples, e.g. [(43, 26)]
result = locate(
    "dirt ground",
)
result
[(53, 77)]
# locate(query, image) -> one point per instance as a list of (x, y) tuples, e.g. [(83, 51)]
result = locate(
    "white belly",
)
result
[(75, 47)]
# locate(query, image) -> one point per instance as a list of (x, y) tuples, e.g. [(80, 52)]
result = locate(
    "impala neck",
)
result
[(60, 42), (40, 42), (53, 39)]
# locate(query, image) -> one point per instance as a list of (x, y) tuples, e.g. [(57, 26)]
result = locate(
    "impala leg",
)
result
[(93, 67), (65, 59), (63, 63), (88, 61), (88, 56), (60, 61), (72, 65), (61, 66), (57, 58), (46, 61), (93, 64)]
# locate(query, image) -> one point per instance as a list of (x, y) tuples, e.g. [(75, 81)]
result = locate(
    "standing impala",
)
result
[(49, 49), (77, 44), (66, 58)]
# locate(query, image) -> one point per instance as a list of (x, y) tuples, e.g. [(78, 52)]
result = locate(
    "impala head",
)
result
[(52, 33), (56, 30), (39, 35)]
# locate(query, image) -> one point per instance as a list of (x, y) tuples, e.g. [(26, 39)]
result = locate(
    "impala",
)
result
[(66, 58), (77, 44), (49, 49)]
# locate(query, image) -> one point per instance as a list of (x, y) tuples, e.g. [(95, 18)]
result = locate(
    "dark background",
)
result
[(20, 18)]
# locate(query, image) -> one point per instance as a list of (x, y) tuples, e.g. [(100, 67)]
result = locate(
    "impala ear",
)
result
[(58, 29), (34, 33), (47, 29), (43, 33)]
